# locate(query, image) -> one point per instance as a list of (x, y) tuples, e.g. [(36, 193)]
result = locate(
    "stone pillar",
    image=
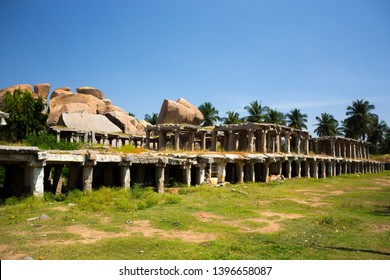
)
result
[(232, 141), (315, 169), (353, 150), (288, 168), (266, 171), (323, 169), (263, 141), (251, 136), (187, 174), (242, 140), (88, 176), (162, 140), (287, 148), (160, 172), (221, 171), (125, 175), (203, 141), (307, 168), (200, 173), (298, 144), (306, 145), (191, 141), (240, 172), (208, 172), (58, 136), (226, 140), (57, 179), (177, 140), (368, 152), (250, 171), (86, 137), (277, 141), (71, 140), (316, 147), (34, 173), (299, 171), (147, 139), (93, 137), (332, 148), (214, 135)]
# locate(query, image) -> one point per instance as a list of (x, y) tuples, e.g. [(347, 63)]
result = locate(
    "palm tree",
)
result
[(296, 119), (151, 119), (377, 135), (256, 111), (274, 116), (210, 114), (327, 125), (360, 119), (232, 118)]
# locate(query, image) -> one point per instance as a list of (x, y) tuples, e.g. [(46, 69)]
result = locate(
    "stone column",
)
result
[(57, 179), (93, 137), (86, 137), (232, 141), (187, 174), (88, 176), (316, 147), (266, 171), (298, 144), (226, 141), (221, 171), (191, 140), (177, 140), (162, 140), (214, 135), (332, 148), (242, 140), (34, 173), (250, 171), (251, 136), (240, 172), (288, 168), (203, 141), (277, 141), (263, 141), (315, 169), (147, 139), (125, 175), (323, 169), (200, 173), (58, 136), (307, 168), (287, 148), (299, 171), (306, 145), (160, 172), (208, 172), (368, 152)]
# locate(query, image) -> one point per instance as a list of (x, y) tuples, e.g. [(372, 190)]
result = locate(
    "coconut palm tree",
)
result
[(377, 135), (360, 119), (152, 119), (274, 116), (210, 114), (327, 125), (296, 119), (232, 118), (256, 111)]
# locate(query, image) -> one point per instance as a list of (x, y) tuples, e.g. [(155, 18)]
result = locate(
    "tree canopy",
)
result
[(256, 111), (210, 114), (327, 125), (296, 119)]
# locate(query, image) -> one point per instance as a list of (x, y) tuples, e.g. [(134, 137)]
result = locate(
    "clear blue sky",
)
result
[(318, 56)]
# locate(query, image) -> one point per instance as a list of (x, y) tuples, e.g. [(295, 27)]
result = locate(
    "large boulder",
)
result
[(179, 112), (91, 91), (42, 90), (22, 87), (128, 124), (68, 102)]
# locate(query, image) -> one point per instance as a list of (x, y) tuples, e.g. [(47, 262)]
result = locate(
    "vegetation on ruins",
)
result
[(27, 116), (296, 119), (131, 114), (210, 114), (274, 116), (379, 137), (152, 119), (232, 118), (327, 125), (256, 112), (343, 217)]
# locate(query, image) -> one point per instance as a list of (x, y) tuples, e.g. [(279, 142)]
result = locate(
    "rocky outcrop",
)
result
[(179, 112), (42, 90), (128, 124), (22, 87), (91, 91)]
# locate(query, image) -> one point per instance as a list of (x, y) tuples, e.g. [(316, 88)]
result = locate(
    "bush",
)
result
[(46, 141), (172, 199)]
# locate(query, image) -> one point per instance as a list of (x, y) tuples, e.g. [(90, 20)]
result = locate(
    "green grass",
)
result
[(344, 217)]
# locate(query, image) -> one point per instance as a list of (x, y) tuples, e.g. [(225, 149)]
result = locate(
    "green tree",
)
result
[(131, 114), (327, 125), (359, 122), (256, 112), (27, 116), (152, 119), (274, 116), (232, 118), (210, 114), (377, 135), (296, 119)]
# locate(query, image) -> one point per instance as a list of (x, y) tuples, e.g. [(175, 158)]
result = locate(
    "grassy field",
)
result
[(346, 217)]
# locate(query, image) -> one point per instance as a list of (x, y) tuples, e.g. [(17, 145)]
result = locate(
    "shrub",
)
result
[(46, 141), (172, 199)]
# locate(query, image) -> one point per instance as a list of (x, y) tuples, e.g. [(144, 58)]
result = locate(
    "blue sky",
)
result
[(318, 56)]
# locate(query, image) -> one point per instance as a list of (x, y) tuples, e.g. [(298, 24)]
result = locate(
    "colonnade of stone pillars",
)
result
[(341, 147)]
